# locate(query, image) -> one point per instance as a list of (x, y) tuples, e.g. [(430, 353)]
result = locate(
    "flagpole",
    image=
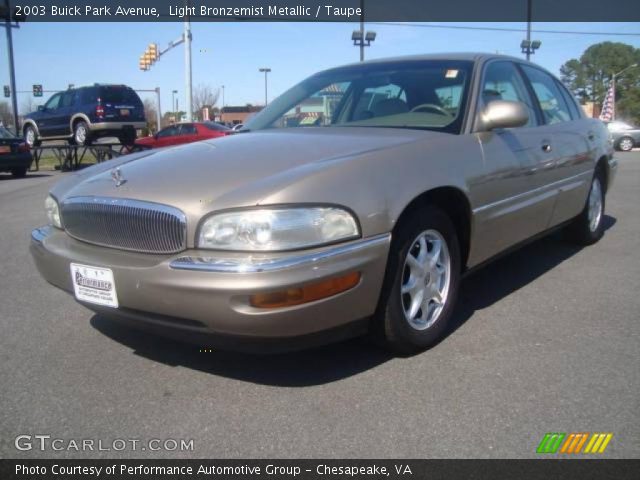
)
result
[(613, 101)]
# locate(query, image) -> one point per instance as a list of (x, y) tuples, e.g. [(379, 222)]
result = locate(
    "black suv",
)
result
[(86, 113)]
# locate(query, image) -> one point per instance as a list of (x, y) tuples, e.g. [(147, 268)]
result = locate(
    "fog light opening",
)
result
[(306, 293)]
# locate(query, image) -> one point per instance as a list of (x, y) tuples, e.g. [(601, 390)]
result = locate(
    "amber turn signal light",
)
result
[(307, 293)]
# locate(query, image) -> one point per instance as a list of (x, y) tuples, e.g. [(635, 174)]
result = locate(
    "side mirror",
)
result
[(41, 108), (503, 114)]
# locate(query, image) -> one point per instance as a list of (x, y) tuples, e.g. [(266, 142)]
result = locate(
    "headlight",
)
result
[(277, 229), (53, 211)]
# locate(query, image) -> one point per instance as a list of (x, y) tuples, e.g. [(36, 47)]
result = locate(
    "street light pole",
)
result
[(12, 68), (266, 71), (613, 88), (222, 108), (362, 30), (173, 101), (187, 66), (528, 51)]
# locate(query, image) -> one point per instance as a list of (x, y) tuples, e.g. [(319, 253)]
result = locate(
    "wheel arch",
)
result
[(452, 201), (30, 123), (75, 118)]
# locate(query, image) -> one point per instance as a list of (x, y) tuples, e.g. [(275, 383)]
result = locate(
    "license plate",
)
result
[(5, 149), (94, 285), (124, 112)]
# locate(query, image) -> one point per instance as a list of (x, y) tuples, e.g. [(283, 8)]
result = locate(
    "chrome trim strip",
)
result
[(529, 192), (39, 234), (250, 265)]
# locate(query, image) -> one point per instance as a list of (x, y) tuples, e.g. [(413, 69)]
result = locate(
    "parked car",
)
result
[(15, 156), (625, 137), (181, 133), (237, 127), (81, 115), (413, 172)]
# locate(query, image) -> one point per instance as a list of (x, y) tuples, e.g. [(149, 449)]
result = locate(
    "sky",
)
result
[(230, 54)]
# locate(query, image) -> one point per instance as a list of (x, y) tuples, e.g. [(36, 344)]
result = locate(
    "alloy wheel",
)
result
[(626, 144), (595, 205), (426, 278)]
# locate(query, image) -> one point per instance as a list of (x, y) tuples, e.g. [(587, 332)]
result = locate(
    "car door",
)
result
[(167, 136), (187, 133), (574, 143), (64, 112), (511, 197), (46, 120)]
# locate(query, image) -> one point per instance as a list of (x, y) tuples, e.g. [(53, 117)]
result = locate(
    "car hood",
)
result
[(233, 171)]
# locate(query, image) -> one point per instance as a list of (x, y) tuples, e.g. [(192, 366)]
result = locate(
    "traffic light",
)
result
[(37, 90), (153, 52), (143, 62), (7, 91)]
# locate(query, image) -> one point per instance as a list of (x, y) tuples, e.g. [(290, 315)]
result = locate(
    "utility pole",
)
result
[(12, 69), (362, 30), (173, 100), (187, 67), (266, 71), (158, 110)]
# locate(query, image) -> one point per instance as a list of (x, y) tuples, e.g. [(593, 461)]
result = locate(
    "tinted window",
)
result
[(54, 102), (89, 95), (188, 129), (502, 81), (168, 132), (68, 99), (119, 95), (215, 126), (552, 103)]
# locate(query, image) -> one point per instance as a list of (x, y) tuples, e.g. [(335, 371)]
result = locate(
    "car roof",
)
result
[(455, 56)]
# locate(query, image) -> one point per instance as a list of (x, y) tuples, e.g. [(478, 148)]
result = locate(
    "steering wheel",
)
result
[(431, 106)]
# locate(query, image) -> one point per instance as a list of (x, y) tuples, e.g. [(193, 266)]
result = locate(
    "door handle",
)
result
[(546, 147), (591, 136)]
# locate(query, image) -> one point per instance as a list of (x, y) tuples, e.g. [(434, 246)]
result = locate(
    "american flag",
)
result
[(606, 115)]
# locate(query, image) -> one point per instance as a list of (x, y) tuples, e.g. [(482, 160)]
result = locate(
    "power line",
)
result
[(503, 29)]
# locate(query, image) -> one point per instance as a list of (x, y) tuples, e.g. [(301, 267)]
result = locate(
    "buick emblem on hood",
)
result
[(116, 175)]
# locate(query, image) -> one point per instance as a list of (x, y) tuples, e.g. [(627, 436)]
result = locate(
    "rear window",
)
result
[(119, 95), (216, 126)]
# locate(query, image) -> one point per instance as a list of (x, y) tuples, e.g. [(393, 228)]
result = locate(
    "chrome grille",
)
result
[(125, 224)]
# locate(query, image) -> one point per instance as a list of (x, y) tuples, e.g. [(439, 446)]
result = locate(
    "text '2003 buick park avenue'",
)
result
[(354, 202)]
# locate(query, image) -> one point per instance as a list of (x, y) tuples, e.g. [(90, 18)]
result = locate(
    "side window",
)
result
[(68, 99), (552, 103), (188, 129), (53, 102), (503, 82), (574, 108), (168, 132)]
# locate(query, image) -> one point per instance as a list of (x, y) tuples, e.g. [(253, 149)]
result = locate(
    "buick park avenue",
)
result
[(353, 203)]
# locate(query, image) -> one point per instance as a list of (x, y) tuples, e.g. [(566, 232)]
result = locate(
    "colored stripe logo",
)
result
[(573, 443)]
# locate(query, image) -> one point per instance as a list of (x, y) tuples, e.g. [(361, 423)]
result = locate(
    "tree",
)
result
[(28, 105), (589, 76), (6, 117), (204, 97), (151, 114)]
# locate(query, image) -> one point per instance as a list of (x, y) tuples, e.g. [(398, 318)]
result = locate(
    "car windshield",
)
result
[(619, 126), (4, 133), (427, 95)]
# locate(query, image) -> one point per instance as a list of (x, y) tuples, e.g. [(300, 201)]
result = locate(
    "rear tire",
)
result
[(588, 227), (81, 133), (419, 293), (19, 172), (625, 144)]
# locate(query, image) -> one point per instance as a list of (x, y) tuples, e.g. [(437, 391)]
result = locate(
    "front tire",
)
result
[(31, 137), (421, 283), (588, 227)]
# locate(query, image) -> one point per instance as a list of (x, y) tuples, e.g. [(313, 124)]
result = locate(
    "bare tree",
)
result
[(204, 96), (6, 117), (150, 113), (28, 105)]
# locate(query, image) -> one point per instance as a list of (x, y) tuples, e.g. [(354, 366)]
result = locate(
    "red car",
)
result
[(181, 133)]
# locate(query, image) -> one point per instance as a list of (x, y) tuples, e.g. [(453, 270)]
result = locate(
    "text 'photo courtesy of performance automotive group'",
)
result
[(310, 240)]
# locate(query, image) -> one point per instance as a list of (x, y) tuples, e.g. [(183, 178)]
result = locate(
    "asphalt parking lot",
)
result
[(547, 340)]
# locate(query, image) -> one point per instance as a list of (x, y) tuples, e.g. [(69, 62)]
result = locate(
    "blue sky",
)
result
[(56, 54)]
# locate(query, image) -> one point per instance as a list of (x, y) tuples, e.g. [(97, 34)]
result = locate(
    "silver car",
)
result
[(354, 203)]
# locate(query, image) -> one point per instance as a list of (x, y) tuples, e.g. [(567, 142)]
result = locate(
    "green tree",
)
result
[(588, 77)]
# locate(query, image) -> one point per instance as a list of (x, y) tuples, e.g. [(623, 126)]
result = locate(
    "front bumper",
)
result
[(196, 296)]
